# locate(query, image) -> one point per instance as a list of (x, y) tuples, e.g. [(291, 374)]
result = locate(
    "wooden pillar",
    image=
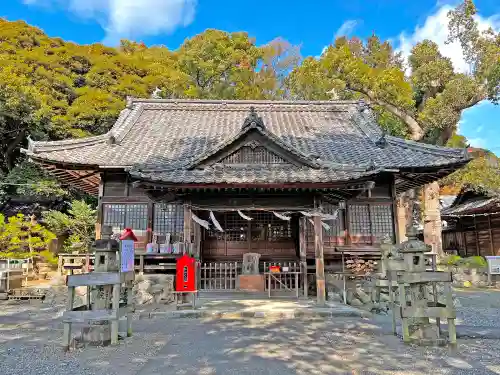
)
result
[(303, 252), (478, 252), (188, 223), (320, 262), (98, 224), (492, 248), (197, 241), (395, 219), (150, 222)]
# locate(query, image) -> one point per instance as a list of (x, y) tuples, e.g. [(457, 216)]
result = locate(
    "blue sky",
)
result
[(311, 24)]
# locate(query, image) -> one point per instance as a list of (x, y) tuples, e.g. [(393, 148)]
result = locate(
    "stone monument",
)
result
[(251, 280)]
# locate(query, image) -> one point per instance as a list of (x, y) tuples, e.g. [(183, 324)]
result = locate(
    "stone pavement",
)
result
[(217, 306), (30, 344)]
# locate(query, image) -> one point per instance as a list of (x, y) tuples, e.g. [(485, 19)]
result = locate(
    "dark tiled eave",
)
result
[(175, 135)]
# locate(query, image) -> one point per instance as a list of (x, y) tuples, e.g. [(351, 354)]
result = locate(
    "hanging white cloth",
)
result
[(215, 222), (205, 224), (282, 217), (244, 216)]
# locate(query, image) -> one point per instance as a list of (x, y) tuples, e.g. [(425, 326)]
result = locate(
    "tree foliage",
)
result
[(21, 237), (52, 89), (79, 222), (428, 101)]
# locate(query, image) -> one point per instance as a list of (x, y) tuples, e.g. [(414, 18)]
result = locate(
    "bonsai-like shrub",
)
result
[(21, 237)]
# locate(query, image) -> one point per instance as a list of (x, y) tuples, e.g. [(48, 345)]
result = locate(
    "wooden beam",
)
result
[(320, 262)]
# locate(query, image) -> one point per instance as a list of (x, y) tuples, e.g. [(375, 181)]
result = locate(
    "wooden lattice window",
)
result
[(382, 223), (370, 223), (169, 218), (121, 216), (267, 227), (236, 227), (253, 155)]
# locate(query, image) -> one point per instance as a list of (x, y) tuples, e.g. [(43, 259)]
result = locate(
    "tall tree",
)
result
[(428, 102)]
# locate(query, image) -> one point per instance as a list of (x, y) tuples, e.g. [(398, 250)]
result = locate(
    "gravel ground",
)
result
[(30, 343)]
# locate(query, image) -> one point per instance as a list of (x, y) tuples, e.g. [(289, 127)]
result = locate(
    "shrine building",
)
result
[(299, 182)]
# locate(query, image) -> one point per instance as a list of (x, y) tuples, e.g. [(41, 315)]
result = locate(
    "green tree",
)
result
[(79, 222)]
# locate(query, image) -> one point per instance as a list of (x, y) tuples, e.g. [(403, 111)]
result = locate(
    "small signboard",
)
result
[(493, 264), (127, 255)]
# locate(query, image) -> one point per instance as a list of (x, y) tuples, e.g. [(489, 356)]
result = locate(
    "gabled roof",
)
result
[(328, 138), (473, 202)]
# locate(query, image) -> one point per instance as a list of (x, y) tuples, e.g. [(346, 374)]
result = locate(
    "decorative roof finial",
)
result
[(382, 141), (253, 120)]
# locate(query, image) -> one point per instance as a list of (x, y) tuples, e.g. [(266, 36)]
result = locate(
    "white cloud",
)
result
[(130, 18), (477, 142), (435, 28), (346, 29)]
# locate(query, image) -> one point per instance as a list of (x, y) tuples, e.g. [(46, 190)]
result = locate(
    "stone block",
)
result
[(251, 283)]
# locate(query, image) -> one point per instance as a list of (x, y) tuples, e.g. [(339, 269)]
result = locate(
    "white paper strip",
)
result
[(216, 223), (244, 216), (282, 217), (330, 216), (205, 224)]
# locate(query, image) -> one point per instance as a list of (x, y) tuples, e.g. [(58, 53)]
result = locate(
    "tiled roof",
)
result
[(264, 175), (173, 134), (472, 206)]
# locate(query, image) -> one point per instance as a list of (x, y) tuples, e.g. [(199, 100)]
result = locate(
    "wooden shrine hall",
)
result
[(292, 181)]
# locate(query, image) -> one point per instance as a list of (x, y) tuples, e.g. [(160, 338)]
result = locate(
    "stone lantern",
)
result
[(416, 307)]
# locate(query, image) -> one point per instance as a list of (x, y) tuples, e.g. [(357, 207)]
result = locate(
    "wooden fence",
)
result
[(283, 281), (219, 275)]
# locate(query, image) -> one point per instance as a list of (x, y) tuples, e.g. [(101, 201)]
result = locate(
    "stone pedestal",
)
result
[(251, 283)]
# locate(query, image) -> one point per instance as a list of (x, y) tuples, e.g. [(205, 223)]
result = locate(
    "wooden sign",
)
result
[(127, 255)]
